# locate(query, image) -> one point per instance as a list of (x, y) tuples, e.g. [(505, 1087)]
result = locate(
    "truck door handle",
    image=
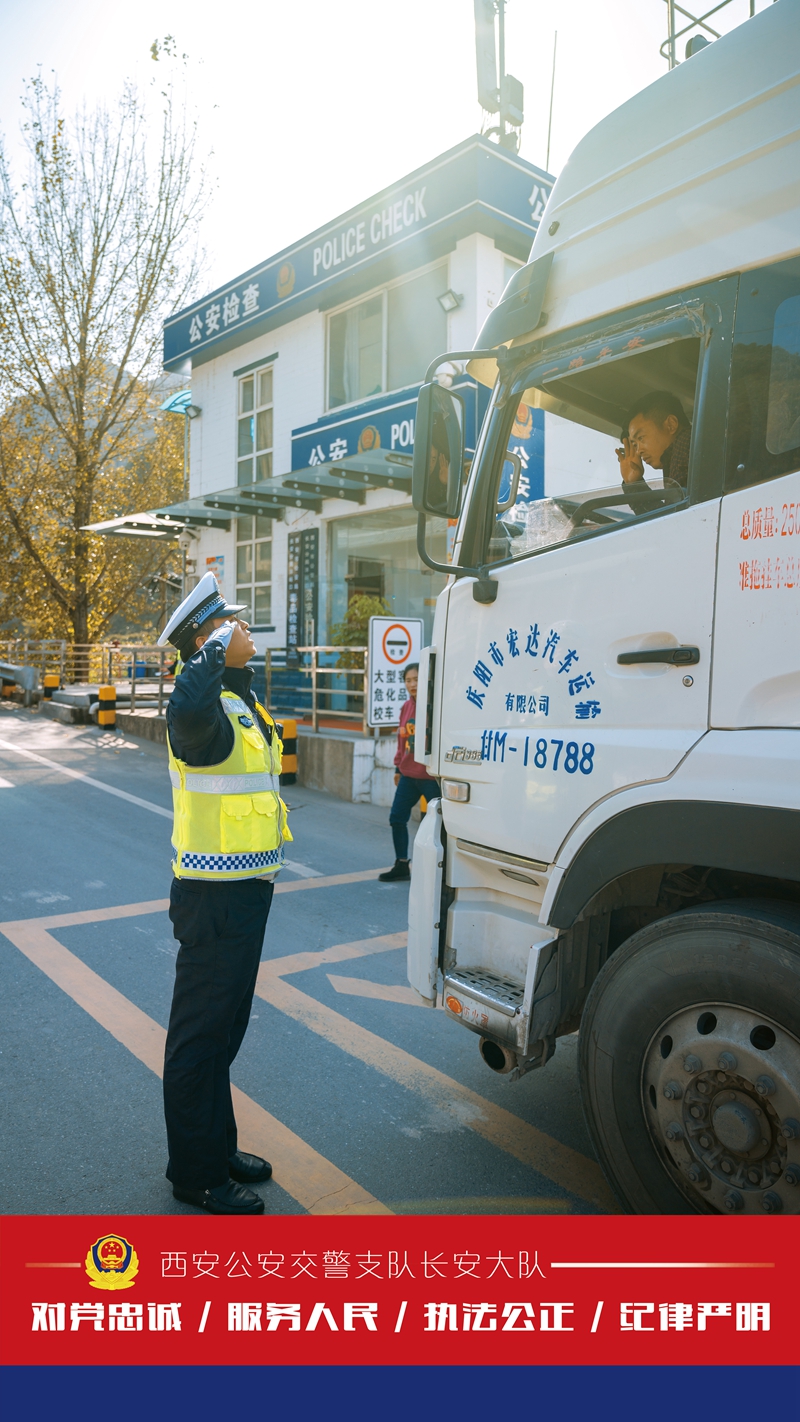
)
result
[(674, 656)]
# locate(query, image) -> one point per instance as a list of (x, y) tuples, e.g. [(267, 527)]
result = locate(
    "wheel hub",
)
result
[(735, 1133), (736, 1126), (721, 1094)]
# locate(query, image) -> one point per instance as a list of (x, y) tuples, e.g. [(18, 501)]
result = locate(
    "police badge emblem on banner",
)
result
[(112, 1263)]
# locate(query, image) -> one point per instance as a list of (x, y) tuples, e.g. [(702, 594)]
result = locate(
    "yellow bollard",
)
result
[(107, 712), (289, 760), (423, 805), (51, 682)]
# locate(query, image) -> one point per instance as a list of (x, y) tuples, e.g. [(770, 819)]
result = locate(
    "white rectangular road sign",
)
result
[(394, 642)]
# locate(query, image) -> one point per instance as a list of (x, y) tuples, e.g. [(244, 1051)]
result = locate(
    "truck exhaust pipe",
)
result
[(498, 1059)]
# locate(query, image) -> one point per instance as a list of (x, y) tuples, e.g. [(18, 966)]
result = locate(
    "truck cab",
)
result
[(611, 698)]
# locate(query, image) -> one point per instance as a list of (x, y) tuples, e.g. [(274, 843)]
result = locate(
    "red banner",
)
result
[(402, 1290)]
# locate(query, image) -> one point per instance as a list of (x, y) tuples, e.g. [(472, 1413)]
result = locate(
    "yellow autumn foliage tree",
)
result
[(43, 572)]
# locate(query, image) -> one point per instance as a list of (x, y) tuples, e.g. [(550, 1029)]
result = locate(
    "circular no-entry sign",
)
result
[(396, 644)]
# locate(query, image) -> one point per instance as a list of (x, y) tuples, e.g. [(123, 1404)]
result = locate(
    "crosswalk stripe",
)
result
[(316, 1183)]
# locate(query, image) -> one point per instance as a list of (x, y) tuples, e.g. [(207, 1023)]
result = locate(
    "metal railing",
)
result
[(121, 664), (312, 687), (155, 664), (322, 698), (47, 655)]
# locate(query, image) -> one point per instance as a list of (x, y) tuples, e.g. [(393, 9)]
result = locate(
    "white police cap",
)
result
[(202, 602)]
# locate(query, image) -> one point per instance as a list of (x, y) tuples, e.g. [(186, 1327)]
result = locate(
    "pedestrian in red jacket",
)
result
[(412, 780)]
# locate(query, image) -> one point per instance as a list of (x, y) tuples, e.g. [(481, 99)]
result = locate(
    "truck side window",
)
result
[(764, 421), (566, 427)]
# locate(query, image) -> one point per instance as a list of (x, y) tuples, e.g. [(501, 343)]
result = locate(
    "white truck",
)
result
[(611, 698)]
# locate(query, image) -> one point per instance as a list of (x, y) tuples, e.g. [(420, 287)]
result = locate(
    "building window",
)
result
[(254, 427), (254, 569), (375, 555), (355, 346), (387, 341)]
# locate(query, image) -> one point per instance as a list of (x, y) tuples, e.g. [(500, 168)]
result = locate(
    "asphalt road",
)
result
[(365, 1101)]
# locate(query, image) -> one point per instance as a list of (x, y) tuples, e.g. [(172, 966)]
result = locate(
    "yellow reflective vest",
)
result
[(230, 821)]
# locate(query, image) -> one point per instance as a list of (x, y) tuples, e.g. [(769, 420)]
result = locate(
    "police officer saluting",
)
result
[(228, 837)]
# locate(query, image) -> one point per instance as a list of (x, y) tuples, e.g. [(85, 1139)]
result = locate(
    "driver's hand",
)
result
[(630, 465)]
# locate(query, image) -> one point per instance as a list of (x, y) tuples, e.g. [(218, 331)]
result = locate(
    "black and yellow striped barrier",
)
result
[(50, 683), (107, 708), (289, 761)]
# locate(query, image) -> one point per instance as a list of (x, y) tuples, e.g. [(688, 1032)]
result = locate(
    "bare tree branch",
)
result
[(97, 248)]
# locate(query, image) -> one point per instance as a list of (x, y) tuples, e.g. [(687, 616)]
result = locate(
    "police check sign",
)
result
[(393, 644)]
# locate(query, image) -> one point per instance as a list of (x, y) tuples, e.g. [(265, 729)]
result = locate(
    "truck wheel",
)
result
[(690, 1063)]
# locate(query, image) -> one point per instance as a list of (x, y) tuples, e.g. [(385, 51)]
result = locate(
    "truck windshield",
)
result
[(589, 459)]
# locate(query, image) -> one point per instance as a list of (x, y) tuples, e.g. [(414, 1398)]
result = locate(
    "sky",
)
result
[(306, 108)]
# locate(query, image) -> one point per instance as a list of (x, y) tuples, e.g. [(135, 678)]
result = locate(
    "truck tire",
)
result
[(690, 1062)]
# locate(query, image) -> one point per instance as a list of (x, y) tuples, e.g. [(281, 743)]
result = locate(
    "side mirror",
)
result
[(436, 478)]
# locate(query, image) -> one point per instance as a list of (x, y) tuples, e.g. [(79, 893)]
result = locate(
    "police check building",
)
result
[(305, 372)]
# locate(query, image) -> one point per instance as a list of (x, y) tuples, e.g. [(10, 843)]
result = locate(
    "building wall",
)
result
[(299, 374), (477, 271)]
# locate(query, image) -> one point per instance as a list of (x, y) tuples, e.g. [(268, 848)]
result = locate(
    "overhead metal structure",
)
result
[(138, 525), (348, 479), (698, 23)]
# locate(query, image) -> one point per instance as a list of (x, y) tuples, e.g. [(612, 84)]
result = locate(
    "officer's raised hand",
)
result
[(234, 635)]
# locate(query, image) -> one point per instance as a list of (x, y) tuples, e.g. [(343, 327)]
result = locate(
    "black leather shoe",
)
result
[(227, 1199), (248, 1169), (399, 871)]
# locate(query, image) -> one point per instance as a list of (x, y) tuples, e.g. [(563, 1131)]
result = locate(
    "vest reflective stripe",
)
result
[(230, 821), (228, 863), (252, 784)]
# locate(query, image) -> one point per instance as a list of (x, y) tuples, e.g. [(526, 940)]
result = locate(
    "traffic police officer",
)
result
[(228, 836)]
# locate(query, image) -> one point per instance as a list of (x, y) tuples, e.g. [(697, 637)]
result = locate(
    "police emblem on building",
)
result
[(285, 282), (523, 423), (112, 1263), (369, 439)]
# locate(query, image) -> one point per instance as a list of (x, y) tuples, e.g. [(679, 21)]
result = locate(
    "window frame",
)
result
[(255, 454), (707, 454), (773, 284), (253, 585), (382, 291)]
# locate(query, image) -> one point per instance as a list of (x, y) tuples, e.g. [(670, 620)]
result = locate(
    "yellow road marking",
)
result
[(339, 953), (101, 915), (316, 1183), (327, 881), (97, 915), (534, 1148), (381, 992)]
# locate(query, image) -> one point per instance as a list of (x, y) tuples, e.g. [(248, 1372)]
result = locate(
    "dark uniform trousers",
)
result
[(220, 928)]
